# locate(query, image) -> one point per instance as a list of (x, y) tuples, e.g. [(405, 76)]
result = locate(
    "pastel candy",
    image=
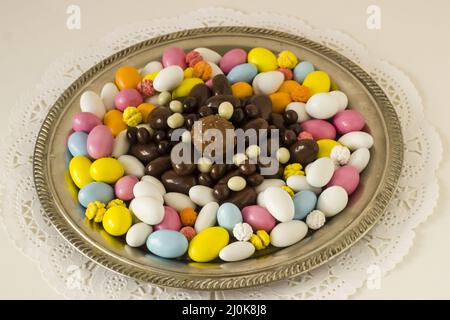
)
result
[(95, 191), (304, 202), (348, 120), (128, 97), (242, 73), (232, 58), (320, 129), (124, 187), (174, 56), (85, 121), (167, 243), (347, 177), (258, 217), (171, 220), (228, 215), (301, 70), (100, 142), (77, 144)]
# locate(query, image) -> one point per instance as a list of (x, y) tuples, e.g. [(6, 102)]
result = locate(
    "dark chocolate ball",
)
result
[(132, 135), (143, 136), (304, 151), (290, 117)]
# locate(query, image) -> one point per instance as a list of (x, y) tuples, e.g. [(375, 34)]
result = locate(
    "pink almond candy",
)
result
[(232, 58), (124, 187), (85, 121), (258, 217), (174, 56), (171, 220), (348, 120), (347, 177), (127, 98), (320, 129), (100, 142)]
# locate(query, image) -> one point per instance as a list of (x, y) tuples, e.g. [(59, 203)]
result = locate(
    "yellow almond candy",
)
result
[(206, 245), (107, 170), (79, 171), (117, 220), (325, 147), (185, 87), (263, 58), (317, 81)]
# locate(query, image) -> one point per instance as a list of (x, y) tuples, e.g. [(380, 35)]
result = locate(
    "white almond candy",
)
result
[(341, 99), (91, 102), (137, 235), (287, 233), (207, 217), (321, 106), (178, 201), (359, 159), (201, 195), (298, 183), (121, 144), (332, 201), (148, 210), (269, 183), (168, 78), (237, 251), (215, 70), (151, 67), (132, 165), (108, 94), (147, 189), (209, 55), (300, 109), (267, 82), (260, 200), (319, 172), (156, 182), (356, 140), (279, 203)]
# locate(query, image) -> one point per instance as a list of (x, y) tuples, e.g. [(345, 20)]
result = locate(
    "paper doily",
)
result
[(75, 276)]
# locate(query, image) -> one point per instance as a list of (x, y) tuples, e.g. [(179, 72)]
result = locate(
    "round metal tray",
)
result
[(378, 180)]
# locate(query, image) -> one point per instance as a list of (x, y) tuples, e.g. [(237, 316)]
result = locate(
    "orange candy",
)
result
[(145, 109), (127, 77), (188, 217), (301, 94), (202, 70), (114, 120), (289, 86), (241, 89), (279, 101)]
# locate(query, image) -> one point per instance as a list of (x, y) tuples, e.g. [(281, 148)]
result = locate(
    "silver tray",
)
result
[(365, 206)]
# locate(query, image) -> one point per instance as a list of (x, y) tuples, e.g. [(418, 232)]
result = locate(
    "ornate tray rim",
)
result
[(275, 273)]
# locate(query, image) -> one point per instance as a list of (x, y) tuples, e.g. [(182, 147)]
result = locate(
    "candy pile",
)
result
[(121, 153)]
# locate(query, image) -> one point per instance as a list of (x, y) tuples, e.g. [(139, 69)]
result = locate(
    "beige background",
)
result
[(414, 37)]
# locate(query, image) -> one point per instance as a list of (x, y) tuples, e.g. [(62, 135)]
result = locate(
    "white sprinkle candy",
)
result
[(315, 219), (340, 155)]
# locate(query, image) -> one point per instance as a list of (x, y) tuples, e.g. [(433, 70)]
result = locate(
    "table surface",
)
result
[(35, 34)]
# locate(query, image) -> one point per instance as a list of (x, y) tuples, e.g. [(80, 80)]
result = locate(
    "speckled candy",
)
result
[(124, 187), (258, 217), (127, 98), (347, 177), (232, 58), (348, 120), (320, 129)]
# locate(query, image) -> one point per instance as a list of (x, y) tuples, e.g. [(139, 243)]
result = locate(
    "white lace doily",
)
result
[(75, 276)]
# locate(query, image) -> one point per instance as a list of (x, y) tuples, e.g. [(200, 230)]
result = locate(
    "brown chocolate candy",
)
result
[(264, 105), (205, 179), (175, 183), (220, 85), (255, 179), (243, 198), (257, 124), (247, 168), (157, 166), (190, 119), (218, 170), (210, 122), (158, 118), (204, 111), (304, 151), (251, 111), (277, 120), (163, 147), (215, 101), (238, 116), (221, 191), (143, 136), (290, 117), (145, 152), (132, 135), (295, 127), (288, 137), (201, 93), (189, 104)]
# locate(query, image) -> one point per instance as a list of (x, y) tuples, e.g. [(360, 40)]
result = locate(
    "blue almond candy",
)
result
[(242, 73), (228, 215), (77, 144), (304, 202), (167, 243), (302, 70), (95, 191)]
